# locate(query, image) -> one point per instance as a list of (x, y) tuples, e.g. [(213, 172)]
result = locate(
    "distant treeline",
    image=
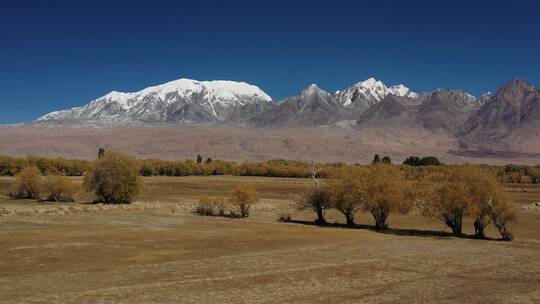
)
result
[(414, 167), (10, 166)]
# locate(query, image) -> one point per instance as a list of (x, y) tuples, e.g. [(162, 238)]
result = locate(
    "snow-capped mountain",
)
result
[(505, 121), (312, 107), (367, 93), (182, 100), (187, 101)]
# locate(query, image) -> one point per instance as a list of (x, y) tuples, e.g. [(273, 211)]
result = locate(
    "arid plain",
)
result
[(322, 144), (157, 251)]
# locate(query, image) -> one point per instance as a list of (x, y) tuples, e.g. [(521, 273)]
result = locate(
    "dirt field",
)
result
[(156, 251)]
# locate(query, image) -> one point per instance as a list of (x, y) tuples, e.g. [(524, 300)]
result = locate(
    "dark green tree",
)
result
[(101, 153), (430, 161), (208, 160), (199, 159), (412, 161), (386, 160), (424, 161), (376, 159)]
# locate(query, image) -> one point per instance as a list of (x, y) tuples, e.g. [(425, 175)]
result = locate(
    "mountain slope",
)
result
[(391, 111), (182, 100), (312, 107), (446, 110), (510, 120)]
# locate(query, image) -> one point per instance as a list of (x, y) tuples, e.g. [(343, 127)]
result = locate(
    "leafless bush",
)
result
[(205, 206), (284, 217)]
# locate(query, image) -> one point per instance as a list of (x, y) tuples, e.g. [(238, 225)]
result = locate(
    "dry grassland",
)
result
[(157, 251)]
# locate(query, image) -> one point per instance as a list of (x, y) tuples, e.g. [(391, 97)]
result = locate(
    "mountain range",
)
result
[(508, 120)]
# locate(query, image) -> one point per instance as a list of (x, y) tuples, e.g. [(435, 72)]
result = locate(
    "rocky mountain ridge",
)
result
[(506, 120)]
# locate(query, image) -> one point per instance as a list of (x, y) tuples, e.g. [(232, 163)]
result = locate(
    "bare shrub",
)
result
[(28, 184), (285, 217), (213, 207), (220, 206), (205, 206)]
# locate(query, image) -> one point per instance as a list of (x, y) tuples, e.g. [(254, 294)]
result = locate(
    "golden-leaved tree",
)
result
[(28, 184), (387, 191), (114, 178), (244, 197), (350, 189), (448, 197)]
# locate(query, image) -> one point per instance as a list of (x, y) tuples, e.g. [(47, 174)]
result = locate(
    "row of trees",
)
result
[(275, 168), (271, 168), (11, 166), (448, 194)]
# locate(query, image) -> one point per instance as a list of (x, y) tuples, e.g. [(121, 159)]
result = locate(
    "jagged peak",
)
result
[(488, 93), (515, 89), (452, 91), (313, 89), (370, 83), (518, 83)]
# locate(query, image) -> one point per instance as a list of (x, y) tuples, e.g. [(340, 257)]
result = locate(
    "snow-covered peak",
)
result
[(371, 91), (156, 102), (370, 83), (401, 90), (313, 89), (484, 98), (221, 89)]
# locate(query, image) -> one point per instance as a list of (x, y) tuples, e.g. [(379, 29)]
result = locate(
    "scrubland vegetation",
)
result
[(30, 184), (237, 205), (10, 166), (448, 193), (156, 249)]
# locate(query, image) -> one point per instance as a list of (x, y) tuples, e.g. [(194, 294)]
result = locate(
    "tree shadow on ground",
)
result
[(393, 231)]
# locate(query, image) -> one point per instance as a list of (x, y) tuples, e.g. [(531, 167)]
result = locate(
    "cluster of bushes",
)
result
[(31, 184), (449, 194), (520, 174), (114, 178), (237, 205), (385, 160)]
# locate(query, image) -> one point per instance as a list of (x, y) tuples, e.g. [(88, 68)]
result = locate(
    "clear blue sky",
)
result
[(59, 54)]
